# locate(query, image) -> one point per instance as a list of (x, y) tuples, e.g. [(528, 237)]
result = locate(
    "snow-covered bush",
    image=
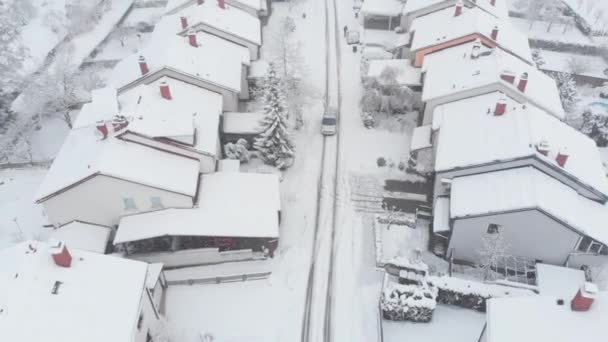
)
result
[(369, 121), (595, 126), (408, 302), (238, 150), (567, 90), (381, 161), (371, 100)]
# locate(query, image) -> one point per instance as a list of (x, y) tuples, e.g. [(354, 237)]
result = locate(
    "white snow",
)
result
[(465, 73), (407, 75), (231, 204), (84, 154), (390, 8), (498, 10), (441, 215), (421, 138), (594, 12), (557, 32), (525, 188), (85, 306), (557, 281), (103, 106), (176, 5), (513, 135), (443, 26), (593, 66), (81, 235), (242, 123)]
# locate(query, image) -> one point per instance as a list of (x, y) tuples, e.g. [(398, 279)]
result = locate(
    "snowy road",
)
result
[(317, 321)]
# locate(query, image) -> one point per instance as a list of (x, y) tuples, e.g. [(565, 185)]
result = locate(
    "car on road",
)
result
[(330, 122)]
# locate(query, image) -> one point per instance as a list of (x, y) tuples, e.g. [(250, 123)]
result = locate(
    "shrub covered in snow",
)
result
[(567, 90), (408, 302), (381, 161), (595, 125), (238, 150)]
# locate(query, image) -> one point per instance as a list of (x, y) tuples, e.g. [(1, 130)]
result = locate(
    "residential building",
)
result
[(457, 25), (52, 292), (256, 8), (413, 9), (381, 14), (470, 70)]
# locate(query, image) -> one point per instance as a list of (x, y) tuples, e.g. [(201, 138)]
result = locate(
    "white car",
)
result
[(330, 122)]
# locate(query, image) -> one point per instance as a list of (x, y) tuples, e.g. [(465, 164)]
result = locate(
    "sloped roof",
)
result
[(499, 10), (452, 70), (471, 135), (85, 236), (176, 5)]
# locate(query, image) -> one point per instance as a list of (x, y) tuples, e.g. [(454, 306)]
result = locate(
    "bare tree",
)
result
[(493, 248)]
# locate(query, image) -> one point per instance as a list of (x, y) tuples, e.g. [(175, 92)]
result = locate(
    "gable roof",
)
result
[(174, 52), (84, 154), (452, 71), (499, 10), (85, 306), (231, 20), (527, 188), (232, 204), (470, 134), (443, 26)]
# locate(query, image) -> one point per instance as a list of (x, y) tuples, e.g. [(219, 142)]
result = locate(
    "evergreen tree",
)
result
[(567, 90), (595, 126), (274, 143)]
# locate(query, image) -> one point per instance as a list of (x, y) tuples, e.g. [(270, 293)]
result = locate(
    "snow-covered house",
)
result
[(257, 8), (193, 59), (567, 309), (538, 216), (82, 235), (52, 292), (469, 70), (381, 14), (455, 26), (493, 132), (236, 125), (225, 21), (413, 9), (237, 217), (97, 178)]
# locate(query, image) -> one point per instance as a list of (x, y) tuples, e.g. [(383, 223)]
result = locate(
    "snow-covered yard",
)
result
[(593, 11), (543, 30), (585, 65)]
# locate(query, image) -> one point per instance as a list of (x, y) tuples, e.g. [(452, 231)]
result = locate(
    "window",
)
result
[(588, 245), (140, 321), (584, 245), (493, 228), (129, 203), (156, 202)]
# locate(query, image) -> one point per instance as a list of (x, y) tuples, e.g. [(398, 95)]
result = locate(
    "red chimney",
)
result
[(221, 3), (118, 123), (543, 148), (495, 33), (61, 255), (458, 8), (562, 158), (101, 127), (523, 82), (501, 106), (476, 50), (192, 38), (583, 299), (143, 65), (184, 22), (200, 2), (165, 92), (507, 76), (493, 2)]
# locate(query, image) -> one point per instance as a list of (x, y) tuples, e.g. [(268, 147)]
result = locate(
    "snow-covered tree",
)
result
[(595, 126), (238, 151), (14, 15), (537, 58), (159, 331), (274, 143), (567, 90), (493, 248)]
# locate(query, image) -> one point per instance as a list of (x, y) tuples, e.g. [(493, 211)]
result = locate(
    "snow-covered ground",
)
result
[(543, 30), (593, 11), (593, 66)]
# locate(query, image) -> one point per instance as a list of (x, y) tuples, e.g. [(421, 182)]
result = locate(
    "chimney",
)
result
[(501, 106), (523, 82), (61, 255), (458, 8), (103, 129), (543, 148), (184, 22), (562, 157), (143, 65), (165, 92), (118, 123), (583, 299), (476, 49), (507, 76), (221, 3), (494, 33), (192, 38), (200, 2), (493, 2)]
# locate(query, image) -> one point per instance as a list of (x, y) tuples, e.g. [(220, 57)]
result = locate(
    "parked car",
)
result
[(330, 122)]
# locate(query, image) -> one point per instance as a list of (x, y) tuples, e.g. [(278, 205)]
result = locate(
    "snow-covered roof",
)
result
[(382, 7), (174, 52), (527, 188), (558, 281), (540, 318), (441, 215), (154, 271), (98, 296), (175, 5), (258, 69), (231, 204), (407, 74), (85, 154), (471, 135), (499, 9), (443, 26), (242, 123), (86, 236), (421, 138), (452, 71), (191, 109), (232, 20), (103, 105)]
